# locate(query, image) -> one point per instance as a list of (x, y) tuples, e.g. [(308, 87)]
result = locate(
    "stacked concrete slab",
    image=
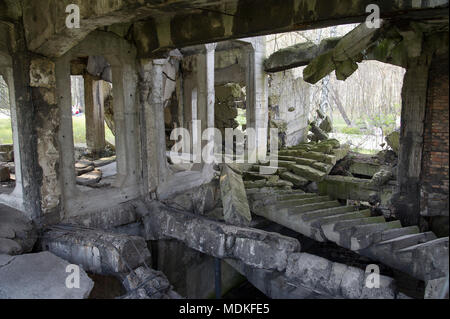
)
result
[(421, 255)]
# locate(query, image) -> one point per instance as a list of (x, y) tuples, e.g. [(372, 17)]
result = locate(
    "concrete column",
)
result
[(205, 89), (257, 98), (47, 121), (414, 96), (152, 98), (95, 117)]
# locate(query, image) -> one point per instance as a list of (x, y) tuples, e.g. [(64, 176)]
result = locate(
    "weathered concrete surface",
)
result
[(17, 233), (97, 251), (39, 276), (437, 288), (276, 285), (254, 247), (234, 199), (108, 219), (427, 260), (90, 178), (146, 283), (335, 279), (297, 55), (312, 277), (344, 187), (180, 182)]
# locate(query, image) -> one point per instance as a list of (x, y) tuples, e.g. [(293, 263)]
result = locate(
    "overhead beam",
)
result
[(252, 18), (167, 24)]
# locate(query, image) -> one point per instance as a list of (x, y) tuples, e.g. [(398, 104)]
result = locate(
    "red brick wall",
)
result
[(434, 176)]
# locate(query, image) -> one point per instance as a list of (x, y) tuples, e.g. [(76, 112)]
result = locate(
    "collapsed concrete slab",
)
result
[(336, 279), (234, 199), (97, 251), (256, 248), (312, 277), (40, 276), (346, 187)]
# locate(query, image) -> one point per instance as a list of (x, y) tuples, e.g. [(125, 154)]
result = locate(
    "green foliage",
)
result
[(384, 121), (242, 117)]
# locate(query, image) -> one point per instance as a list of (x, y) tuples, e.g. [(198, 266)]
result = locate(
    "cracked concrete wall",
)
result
[(289, 103)]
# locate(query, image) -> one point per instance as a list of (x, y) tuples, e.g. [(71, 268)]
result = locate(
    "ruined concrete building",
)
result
[(316, 221)]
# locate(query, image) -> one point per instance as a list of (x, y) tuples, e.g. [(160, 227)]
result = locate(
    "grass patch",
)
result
[(79, 131), (364, 151), (351, 130), (5, 131)]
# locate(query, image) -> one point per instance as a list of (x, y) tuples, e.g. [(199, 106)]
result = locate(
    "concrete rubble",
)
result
[(17, 234), (234, 199)]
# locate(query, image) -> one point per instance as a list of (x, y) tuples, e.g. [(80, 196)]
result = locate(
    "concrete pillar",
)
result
[(47, 121), (257, 98), (95, 117), (205, 90), (414, 97), (152, 99)]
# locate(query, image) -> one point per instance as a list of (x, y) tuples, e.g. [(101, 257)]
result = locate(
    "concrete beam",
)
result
[(169, 24), (254, 247), (300, 54)]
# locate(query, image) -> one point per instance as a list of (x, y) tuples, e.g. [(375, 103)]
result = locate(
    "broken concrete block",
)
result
[(381, 177), (437, 288), (82, 169), (15, 226), (318, 133), (39, 276), (425, 261), (104, 161), (298, 181), (96, 250), (234, 198), (146, 283), (326, 125), (90, 178), (393, 140), (309, 173), (9, 247), (254, 247)]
